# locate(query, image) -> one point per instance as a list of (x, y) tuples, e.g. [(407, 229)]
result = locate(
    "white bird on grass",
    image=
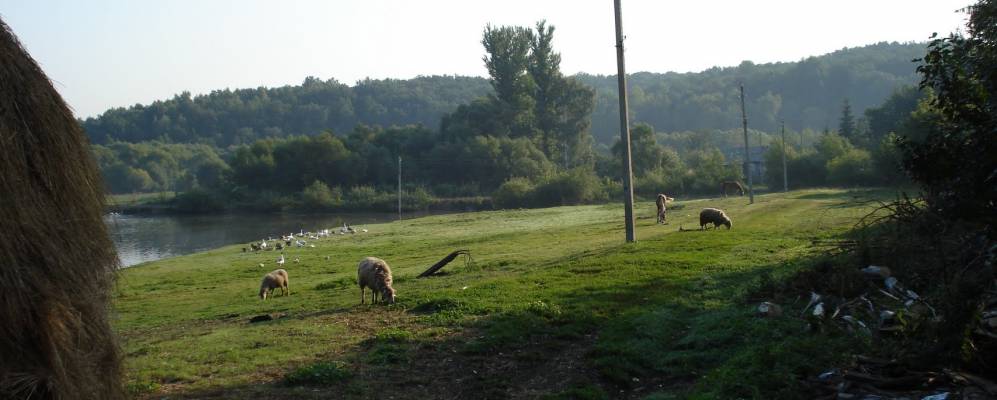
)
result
[(280, 261)]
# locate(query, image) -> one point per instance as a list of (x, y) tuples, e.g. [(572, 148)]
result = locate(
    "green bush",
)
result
[(514, 193), (576, 186), (854, 167), (319, 196), (658, 181)]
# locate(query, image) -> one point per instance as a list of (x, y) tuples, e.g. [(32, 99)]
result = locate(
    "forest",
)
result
[(527, 136)]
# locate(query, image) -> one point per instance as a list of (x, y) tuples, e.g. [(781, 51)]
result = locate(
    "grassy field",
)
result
[(553, 305)]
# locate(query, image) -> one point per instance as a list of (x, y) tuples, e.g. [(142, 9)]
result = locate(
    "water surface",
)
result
[(140, 239)]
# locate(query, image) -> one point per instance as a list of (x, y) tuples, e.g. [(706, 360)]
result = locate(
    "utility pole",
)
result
[(621, 74), (785, 179), (399, 188), (747, 154)]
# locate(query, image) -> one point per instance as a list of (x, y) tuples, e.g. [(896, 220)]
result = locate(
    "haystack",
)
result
[(58, 262)]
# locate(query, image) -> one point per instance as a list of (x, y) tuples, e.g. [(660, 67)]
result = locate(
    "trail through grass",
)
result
[(554, 303)]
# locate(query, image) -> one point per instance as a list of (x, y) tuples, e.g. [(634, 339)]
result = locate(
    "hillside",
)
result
[(807, 94), (552, 302)]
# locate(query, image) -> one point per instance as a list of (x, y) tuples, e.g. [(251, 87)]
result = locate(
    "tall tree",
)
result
[(846, 125), (507, 55), (562, 106), (545, 69)]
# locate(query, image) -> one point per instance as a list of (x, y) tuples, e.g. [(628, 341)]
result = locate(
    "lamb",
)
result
[(274, 280), (374, 273), (662, 207), (715, 216)]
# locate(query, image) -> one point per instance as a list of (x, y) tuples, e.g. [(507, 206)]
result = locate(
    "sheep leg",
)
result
[(362, 295)]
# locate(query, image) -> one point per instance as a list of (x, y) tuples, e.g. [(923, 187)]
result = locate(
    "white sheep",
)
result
[(374, 273), (275, 279), (715, 216)]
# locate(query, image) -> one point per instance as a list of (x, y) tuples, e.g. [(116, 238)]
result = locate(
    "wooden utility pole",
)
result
[(399, 188), (747, 153), (785, 179), (621, 74)]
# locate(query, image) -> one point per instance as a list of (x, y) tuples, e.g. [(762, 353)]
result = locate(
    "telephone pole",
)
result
[(747, 153), (399, 188), (621, 74), (785, 179)]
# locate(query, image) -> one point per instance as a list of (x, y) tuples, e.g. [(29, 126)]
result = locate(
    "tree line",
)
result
[(527, 141), (806, 94)]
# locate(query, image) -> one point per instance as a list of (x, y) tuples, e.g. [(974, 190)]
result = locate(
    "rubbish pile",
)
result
[(887, 308), (879, 310), (874, 379)]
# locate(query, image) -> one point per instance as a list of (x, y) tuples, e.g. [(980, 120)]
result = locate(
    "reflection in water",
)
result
[(139, 239)]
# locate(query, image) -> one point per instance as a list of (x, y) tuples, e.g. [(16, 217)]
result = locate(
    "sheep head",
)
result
[(388, 293)]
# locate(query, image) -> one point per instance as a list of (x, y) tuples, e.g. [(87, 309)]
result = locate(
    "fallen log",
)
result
[(442, 263)]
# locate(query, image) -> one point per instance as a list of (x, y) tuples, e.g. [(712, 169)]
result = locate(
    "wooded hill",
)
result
[(806, 94)]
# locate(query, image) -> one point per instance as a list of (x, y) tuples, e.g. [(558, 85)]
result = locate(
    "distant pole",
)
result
[(621, 74), (785, 179), (747, 154), (399, 188)]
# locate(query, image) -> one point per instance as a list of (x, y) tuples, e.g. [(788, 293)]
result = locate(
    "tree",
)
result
[(846, 125), (507, 55), (955, 163), (545, 70), (887, 117)]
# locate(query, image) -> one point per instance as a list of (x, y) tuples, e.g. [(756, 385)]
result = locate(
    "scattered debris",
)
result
[(872, 378), (771, 310), (446, 260), (876, 271)]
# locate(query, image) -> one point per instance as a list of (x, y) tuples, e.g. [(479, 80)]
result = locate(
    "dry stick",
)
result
[(446, 260)]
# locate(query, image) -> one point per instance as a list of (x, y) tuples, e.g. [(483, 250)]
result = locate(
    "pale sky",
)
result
[(104, 54)]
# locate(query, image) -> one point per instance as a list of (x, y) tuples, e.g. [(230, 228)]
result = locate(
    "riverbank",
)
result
[(552, 302), (169, 203)]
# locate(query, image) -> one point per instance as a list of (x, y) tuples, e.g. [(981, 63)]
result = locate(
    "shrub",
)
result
[(658, 181), (318, 195), (514, 193), (854, 167), (577, 186)]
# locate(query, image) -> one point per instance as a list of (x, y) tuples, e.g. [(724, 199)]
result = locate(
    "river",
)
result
[(140, 239)]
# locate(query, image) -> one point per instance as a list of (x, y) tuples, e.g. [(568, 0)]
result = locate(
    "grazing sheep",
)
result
[(275, 279), (374, 273), (662, 207), (254, 246), (733, 185), (715, 216)]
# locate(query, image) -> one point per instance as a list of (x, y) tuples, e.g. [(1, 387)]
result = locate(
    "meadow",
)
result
[(552, 304)]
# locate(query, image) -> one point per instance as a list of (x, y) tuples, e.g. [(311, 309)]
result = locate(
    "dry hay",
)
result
[(59, 263)]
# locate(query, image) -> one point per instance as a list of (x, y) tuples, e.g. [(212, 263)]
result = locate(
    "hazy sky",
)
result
[(104, 54)]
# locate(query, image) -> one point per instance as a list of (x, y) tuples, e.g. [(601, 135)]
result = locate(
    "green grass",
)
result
[(553, 304)]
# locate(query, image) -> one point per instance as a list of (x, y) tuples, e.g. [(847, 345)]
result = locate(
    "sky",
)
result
[(116, 53)]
